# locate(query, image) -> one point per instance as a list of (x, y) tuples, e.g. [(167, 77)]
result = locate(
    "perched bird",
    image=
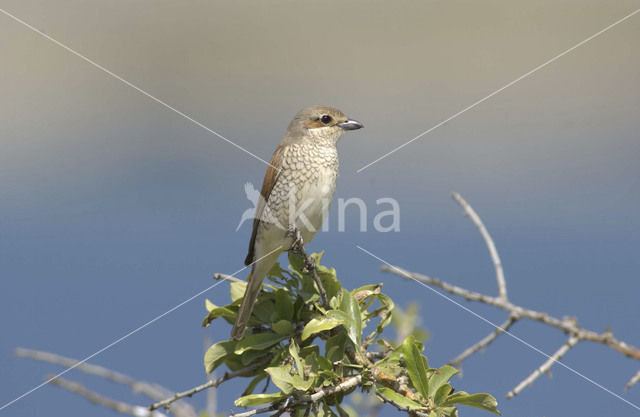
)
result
[(296, 192)]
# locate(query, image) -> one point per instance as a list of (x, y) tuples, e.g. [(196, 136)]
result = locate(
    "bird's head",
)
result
[(321, 123)]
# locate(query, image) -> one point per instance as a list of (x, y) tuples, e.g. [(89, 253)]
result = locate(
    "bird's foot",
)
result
[(297, 246)]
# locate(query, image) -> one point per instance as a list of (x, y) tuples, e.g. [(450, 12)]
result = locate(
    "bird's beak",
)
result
[(351, 125)]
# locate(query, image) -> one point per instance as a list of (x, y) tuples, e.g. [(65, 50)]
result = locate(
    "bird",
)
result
[(296, 193)]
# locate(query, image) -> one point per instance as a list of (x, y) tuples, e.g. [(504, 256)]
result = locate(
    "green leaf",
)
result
[(251, 355), (483, 401), (300, 383), (256, 399), (440, 376), (441, 394), (236, 290), (295, 354), (399, 399), (216, 355), (346, 411), (353, 324), (309, 350), (264, 310), (254, 382), (334, 348), (281, 378), (259, 341), (284, 305), (317, 256), (415, 366), (318, 325), (387, 316), (297, 262), (283, 327), (276, 271), (216, 312), (209, 305)]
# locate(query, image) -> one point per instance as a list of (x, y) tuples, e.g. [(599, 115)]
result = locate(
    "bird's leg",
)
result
[(297, 246)]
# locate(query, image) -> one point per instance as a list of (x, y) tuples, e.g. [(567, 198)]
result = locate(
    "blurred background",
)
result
[(113, 209)]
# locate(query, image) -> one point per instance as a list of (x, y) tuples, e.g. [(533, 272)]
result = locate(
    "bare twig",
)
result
[(634, 379), (153, 391), (573, 340), (484, 342), (568, 325), (219, 276), (493, 252), (119, 406), (211, 383)]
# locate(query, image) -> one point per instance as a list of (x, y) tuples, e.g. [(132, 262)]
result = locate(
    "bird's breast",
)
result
[(305, 186)]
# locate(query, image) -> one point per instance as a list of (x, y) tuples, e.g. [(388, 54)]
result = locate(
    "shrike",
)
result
[(296, 192)]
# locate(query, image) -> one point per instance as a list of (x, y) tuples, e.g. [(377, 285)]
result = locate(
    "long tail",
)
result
[(258, 272)]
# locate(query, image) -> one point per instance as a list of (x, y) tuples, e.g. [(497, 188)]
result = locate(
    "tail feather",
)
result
[(258, 272)]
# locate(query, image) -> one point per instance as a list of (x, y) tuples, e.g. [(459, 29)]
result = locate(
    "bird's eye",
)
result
[(326, 119)]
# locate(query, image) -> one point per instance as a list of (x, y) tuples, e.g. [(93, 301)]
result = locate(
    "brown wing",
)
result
[(273, 171)]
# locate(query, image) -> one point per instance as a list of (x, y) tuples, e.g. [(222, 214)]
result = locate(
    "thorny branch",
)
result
[(153, 391), (568, 325), (484, 342), (94, 397), (213, 383), (493, 252), (545, 366)]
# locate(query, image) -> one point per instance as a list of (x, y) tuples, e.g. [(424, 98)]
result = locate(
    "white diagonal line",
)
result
[(529, 345), (525, 75), (130, 84), (136, 330)]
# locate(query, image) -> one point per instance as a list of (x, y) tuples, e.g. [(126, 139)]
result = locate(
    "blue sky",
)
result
[(113, 209)]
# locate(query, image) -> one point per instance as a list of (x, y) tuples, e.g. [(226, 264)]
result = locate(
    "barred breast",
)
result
[(304, 188)]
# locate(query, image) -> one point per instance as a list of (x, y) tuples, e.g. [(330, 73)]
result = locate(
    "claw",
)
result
[(294, 233)]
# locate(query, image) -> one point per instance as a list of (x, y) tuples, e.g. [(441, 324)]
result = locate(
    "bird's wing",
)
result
[(270, 178)]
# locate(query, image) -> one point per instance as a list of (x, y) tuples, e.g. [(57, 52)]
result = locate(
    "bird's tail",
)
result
[(258, 272)]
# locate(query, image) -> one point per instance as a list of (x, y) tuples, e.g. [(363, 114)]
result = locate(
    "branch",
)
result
[(568, 325), (213, 383), (345, 385), (218, 277), (289, 404), (153, 391), (493, 252), (573, 340), (633, 380), (387, 400), (484, 342), (119, 406)]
